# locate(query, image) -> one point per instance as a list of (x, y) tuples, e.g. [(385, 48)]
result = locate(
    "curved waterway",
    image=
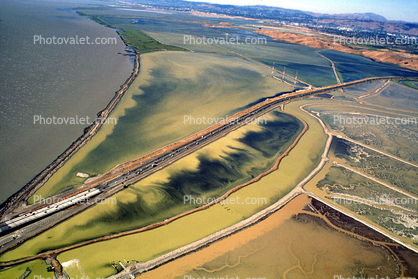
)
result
[(55, 80)]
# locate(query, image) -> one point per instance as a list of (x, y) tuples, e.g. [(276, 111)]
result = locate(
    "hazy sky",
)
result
[(406, 10)]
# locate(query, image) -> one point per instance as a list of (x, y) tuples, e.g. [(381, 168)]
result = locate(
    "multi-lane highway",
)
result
[(49, 209), (66, 205)]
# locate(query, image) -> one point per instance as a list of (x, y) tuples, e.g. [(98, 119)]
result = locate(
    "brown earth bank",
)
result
[(305, 238), (220, 25), (409, 61), (407, 259)]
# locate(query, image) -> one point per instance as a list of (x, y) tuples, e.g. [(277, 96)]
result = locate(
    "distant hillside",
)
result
[(354, 16), (358, 21)]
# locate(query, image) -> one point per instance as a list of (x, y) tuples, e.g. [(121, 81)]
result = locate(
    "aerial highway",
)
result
[(42, 212), (31, 220)]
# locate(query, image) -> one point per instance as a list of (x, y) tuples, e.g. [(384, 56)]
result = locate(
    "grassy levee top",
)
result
[(144, 43), (137, 39)]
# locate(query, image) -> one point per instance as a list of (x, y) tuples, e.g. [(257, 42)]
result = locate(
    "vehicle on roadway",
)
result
[(40, 213)]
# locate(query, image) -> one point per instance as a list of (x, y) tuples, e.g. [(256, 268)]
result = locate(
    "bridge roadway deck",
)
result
[(115, 184)]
